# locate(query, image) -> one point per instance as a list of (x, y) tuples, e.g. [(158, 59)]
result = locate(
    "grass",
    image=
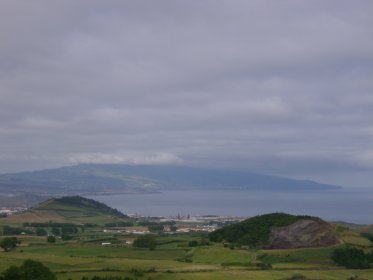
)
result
[(87, 251), (354, 238), (217, 254), (78, 258), (313, 256), (59, 216), (73, 260)]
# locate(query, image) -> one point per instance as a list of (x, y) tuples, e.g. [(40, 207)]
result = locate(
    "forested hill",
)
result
[(114, 178), (278, 231)]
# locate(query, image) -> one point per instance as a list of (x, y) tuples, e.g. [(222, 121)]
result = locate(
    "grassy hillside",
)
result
[(72, 209)]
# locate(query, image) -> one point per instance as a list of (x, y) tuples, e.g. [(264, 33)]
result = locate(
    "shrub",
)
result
[(51, 239), (146, 241), (136, 272), (368, 236), (204, 242), (193, 243), (351, 257), (41, 232), (29, 270)]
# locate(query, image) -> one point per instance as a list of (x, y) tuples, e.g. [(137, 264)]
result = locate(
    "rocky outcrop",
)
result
[(303, 233)]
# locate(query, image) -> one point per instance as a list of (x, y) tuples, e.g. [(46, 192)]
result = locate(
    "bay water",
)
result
[(348, 204)]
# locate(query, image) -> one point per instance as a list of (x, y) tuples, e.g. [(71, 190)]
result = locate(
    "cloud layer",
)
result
[(278, 87)]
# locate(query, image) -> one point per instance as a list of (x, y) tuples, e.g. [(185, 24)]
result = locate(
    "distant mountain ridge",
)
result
[(119, 178)]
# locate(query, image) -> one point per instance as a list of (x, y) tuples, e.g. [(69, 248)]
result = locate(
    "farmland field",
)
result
[(174, 259)]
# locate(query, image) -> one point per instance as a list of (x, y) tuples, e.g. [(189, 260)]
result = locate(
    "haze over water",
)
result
[(349, 205)]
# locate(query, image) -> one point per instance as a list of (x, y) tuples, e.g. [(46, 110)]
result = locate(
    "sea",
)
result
[(353, 205)]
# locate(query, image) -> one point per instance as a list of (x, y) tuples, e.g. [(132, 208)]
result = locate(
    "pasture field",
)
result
[(174, 259), (177, 256)]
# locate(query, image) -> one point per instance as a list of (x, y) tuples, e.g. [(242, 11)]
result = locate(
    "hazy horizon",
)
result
[(282, 88)]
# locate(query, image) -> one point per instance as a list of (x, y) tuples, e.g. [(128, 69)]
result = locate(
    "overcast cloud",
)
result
[(276, 87)]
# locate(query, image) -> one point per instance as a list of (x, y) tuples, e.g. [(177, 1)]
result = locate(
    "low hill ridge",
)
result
[(80, 203), (71, 209)]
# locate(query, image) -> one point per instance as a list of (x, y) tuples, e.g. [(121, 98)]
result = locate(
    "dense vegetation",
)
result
[(29, 270), (49, 224), (9, 243), (8, 230), (42, 229), (119, 224), (254, 232), (146, 241), (351, 257), (369, 236)]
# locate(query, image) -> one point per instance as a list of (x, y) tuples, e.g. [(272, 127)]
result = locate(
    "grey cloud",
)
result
[(276, 87)]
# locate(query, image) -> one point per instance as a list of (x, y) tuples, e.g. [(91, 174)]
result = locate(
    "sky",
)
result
[(273, 87)]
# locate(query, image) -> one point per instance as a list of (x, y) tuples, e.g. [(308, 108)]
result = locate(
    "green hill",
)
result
[(71, 209), (79, 204), (278, 231)]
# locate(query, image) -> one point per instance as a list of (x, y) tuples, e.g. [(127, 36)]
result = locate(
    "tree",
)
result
[(29, 270), (66, 237), (351, 257), (9, 243), (51, 239), (146, 241), (13, 272), (7, 230), (41, 232)]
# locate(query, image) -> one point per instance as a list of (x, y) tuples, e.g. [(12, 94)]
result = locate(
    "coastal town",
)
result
[(166, 224), (5, 211)]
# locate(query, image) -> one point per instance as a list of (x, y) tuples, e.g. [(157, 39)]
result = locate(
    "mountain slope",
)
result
[(111, 178)]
